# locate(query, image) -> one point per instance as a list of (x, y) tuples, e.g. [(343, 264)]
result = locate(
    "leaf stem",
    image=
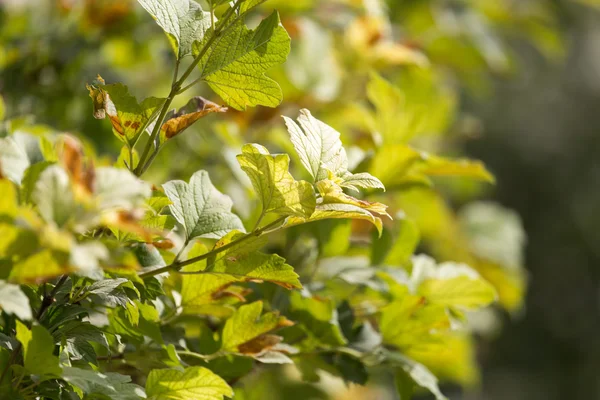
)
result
[(144, 162), (177, 265)]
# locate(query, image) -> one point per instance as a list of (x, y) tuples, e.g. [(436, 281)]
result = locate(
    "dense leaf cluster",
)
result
[(103, 272)]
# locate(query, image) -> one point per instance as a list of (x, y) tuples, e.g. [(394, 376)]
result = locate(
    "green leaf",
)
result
[(417, 372), (406, 242), (14, 301), (38, 349), (199, 292), (452, 285), (13, 160), (318, 318), (201, 208), (246, 263), (128, 117), (193, 383), (38, 267), (54, 196), (247, 324), (108, 385), (279, 192), (321, 152), (250, 4), (235, 63), (183, 21)]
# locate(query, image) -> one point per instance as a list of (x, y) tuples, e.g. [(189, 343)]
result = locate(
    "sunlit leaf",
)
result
[(128, 117), (38, 349), (247, 324), (106, 384), (279, 192), (201, 208), (177, 122), (235, 63), (192, 383), (183, 21)]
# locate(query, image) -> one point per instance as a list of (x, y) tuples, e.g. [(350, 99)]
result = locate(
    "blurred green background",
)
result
[(521, 77)]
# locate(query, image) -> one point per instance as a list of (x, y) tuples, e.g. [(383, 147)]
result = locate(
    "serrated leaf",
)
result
[(128, 117), (279, 192), (192, 383), (13, 160), (246, 263), (38, 349), (14, 301), (321, 152), (105, 384), (183, 21), (247, 324), (334, 203), (440, 166), (234, 65), (198, 292), (318, 145), (201, 208)]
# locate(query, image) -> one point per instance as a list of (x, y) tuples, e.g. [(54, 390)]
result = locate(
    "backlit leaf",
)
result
[(279, 192), (128, 117), (193, 383), (321, 152), (234, 65), (38, 349), (247, 324), (177, 122)]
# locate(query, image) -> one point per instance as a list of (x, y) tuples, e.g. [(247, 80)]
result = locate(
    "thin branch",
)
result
[(176, 266)]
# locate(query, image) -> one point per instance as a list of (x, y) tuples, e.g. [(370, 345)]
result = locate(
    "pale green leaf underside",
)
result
[(14, 301), (13, 160), (183, 21), (194, 383), (321, 152), (111, 384), (201, 208), (279, 192), (234, 65)]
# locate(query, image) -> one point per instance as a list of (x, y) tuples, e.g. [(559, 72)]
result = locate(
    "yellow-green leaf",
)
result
[(38, 349), (235, 63), (279, 192), (247, 324), (193, 383)]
